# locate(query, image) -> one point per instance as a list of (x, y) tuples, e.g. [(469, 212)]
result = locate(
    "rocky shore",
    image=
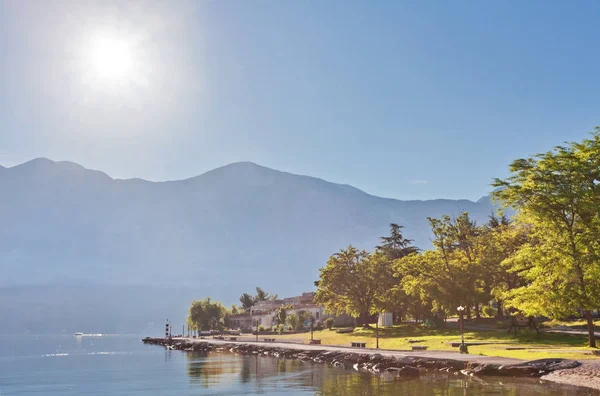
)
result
[(587, 375), (372, 361)]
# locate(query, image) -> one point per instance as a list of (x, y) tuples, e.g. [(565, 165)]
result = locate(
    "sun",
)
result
[(111, 58)]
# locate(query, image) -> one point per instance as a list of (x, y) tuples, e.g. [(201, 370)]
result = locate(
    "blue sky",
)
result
[(410, 100)]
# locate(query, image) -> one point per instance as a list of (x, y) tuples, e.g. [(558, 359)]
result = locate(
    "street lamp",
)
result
[(463, 347), (256, 330)]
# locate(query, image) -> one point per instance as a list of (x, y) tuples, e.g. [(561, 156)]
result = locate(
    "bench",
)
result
[(419, 347), (232, 338), (218, 337), (358, 344), (269, 339)]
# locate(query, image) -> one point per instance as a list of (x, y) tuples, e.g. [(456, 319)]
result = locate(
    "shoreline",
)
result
[(586, 375), (401, 363)]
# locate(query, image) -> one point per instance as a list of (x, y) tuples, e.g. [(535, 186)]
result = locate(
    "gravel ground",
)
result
[(588, 375)]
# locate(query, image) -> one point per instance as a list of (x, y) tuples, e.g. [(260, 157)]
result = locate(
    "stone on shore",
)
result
[(408, 366)]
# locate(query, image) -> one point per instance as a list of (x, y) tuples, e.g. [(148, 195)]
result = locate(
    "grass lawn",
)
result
[(542, 346)]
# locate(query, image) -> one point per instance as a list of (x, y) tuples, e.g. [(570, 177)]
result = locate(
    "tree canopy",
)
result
[(206, 314), (558, 194), (354, 282)]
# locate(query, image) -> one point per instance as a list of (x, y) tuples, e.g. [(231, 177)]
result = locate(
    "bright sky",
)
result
[(410, 100)]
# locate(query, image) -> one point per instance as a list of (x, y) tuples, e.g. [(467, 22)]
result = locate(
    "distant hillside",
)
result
[(234, 227)]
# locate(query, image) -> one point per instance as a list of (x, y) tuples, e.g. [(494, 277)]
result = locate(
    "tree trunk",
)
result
[(590, 324), (477, 313), (364, 319), (499, 314)]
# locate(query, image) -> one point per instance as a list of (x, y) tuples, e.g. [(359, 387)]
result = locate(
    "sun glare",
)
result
[(111, 58)]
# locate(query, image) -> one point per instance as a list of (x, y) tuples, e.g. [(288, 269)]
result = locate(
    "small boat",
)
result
[(78, 334)]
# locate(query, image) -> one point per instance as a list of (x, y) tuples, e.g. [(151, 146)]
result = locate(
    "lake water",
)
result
[(122, 365)]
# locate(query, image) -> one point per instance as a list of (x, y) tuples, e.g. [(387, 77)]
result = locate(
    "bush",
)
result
[(318, 326), (433, 322), (280, 328), (488, 311), (329, 323), (261, 328)]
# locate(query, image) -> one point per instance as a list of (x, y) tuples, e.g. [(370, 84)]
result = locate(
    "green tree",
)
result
[(395, 246), (247, 301), (354, 282), (450, 274), (281, 314), (262, 295), (206, 314), (500, 239), (296, 319), (558, 193)]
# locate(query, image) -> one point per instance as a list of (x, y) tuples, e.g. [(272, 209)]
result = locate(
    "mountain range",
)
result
[(218, 234)]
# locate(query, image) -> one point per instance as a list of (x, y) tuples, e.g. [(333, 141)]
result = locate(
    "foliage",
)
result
[(489, 311), (247, 301), (206, 314), (261, 328), (450, 274), (395, 246), (296, 320), (355, 282), (281, 314), (558, 194), (329, 323), (262, 295)]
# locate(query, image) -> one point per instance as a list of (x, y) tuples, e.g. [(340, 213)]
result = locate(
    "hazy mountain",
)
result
[(222, 232)]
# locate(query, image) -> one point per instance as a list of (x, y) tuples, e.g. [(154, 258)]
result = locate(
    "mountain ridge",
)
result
[(237, 164), (221, 233)]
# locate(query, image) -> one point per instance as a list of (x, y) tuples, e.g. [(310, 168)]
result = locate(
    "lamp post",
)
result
[(463, 347), (256, 330), (312, 326)]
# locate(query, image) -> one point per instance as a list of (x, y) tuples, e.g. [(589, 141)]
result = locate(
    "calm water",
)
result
[(122, 365)]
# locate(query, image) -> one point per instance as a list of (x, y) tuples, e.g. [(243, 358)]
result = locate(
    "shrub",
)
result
[(329, 323), (261, 328), (318, 326), (280, 328), (488, 311)]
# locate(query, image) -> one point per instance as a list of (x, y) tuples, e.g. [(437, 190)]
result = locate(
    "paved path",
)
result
[(384, 352)]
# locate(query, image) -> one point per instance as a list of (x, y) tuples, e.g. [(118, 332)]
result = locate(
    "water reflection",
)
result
[(267, 375)]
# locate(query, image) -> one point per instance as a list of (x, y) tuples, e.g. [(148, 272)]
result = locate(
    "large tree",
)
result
[(354, 282), (206, 314), (395, 246), (247, 301), (450, 274), (558, 193), (500, 239)]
